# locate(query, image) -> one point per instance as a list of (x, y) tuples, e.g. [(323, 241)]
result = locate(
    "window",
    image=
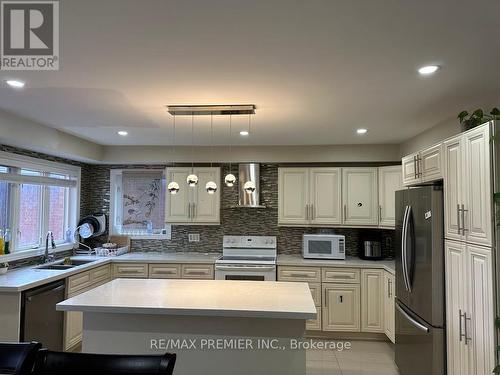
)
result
[(138, 202), (37, 196)]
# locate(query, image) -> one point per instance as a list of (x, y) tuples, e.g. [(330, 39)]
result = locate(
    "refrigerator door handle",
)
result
[(411, 320), (403, 247), (407, 273)]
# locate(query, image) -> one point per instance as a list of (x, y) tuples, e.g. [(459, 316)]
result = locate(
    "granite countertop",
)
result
[(297, 260), (25, 278), (266, 299)]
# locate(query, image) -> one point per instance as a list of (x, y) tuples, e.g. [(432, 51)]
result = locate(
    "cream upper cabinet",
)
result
[(293, 195), (469, 302), (389, 181), (177, 207), (389, 306), (360, 196), (409, 165), (372, 302), (325, 195), (467, 187), (431, 163), (309, 196), (453, 189), (193, 205), (341, 307), (206, 207), (476, 210)]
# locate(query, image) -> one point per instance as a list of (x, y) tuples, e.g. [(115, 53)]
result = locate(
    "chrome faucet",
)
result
[(49, 258)]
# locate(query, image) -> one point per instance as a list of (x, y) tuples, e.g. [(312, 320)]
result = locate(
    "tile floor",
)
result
[(364, 358)]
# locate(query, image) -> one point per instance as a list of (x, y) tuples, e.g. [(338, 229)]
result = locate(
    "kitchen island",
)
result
[(214, 326)]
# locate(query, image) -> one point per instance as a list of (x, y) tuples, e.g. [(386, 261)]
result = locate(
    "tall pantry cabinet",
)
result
[(469, 221)]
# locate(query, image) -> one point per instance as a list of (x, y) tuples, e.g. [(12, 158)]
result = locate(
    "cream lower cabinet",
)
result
[(360, 196), (341, 307), (389, 181), (389, 306), (372, 302), (193, 205), (75, 285), (469, 309)]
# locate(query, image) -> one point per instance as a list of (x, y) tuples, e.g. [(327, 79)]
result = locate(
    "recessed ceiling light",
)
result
[(428, 69), (361, 131), (244, 133), (15, 83), (123, 133)]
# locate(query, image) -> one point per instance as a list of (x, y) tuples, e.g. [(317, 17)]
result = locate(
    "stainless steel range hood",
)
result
[(249, 172)]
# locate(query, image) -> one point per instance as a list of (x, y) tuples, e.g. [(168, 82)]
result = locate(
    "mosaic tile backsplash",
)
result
[(95, 197)]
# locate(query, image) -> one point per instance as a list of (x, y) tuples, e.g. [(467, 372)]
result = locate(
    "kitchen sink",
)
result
[(56, 267), (64, 266)]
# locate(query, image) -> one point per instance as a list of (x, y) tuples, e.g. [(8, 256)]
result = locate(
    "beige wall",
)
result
[(275, 154), (433, 135), (24, 133)]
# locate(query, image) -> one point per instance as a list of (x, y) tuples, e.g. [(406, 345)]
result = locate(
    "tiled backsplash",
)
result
[(95, 196)]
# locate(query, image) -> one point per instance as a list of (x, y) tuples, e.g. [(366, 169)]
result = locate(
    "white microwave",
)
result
[(323, 246)]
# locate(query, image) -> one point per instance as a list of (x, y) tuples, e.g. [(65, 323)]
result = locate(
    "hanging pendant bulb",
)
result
[(173, 187), (192, 179), (249, 187), (211, 186), (230, 178)]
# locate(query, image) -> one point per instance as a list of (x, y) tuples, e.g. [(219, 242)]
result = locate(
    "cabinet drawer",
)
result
[(100, 274), (341, 275), (197, 271), (314, 324), (316, 293), (78, 281), (164, 271), (131, 270), (307, 274)]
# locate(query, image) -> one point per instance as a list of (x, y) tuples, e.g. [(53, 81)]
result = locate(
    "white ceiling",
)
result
[(317, 70)]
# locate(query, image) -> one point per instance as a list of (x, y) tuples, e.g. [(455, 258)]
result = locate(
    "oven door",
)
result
[(245, 272)]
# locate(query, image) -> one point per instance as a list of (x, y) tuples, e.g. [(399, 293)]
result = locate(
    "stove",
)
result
[(247, 258)]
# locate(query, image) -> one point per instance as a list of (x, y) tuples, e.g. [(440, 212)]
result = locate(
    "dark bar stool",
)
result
[(18, 358), (61, 363)]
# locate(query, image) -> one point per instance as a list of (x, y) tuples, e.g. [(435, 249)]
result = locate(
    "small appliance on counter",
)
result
[(372, 250), (323, 246)]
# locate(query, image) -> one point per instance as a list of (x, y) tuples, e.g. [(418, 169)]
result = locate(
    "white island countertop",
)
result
[(221, 298)]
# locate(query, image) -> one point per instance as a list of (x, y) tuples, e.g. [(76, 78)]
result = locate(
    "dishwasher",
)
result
[(39, 319)]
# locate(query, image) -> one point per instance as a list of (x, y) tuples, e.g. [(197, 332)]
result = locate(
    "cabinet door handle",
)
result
[(466, 336), (345, 212), (458, 219), (312, 212), (341, 298), (380, 213), (326, 298), (194, 210), (389, 288), (415, 166), (460, 315), (463, 219)]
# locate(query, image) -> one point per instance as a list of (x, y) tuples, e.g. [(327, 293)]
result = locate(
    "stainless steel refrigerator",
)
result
[(420, 301)]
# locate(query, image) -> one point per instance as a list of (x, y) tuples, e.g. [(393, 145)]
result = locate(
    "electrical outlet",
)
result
[(194, 237)]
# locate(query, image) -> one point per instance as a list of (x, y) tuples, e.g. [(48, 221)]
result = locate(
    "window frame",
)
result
[(72, 202), (116, 205)]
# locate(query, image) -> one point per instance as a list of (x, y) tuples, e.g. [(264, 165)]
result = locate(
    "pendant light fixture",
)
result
[(192, 179), (211, 186), (230, 178), (173, 187)]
